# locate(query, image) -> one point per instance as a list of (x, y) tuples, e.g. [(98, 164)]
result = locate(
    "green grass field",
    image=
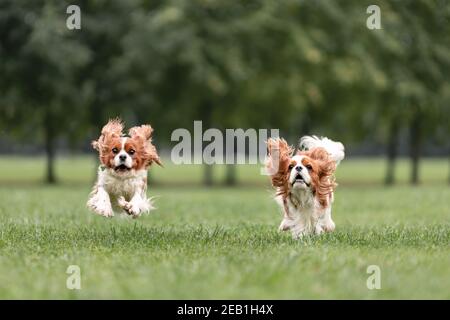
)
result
[(222, 242)]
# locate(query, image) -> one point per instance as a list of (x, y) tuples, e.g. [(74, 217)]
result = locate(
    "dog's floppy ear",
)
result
[(327, 166), (318, 153), (277, 164), (324, 181), (95, 145), (153, 155), (144, 133), (113, 129)]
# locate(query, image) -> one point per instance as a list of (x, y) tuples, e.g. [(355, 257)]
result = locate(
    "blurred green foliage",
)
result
[(301, 66)]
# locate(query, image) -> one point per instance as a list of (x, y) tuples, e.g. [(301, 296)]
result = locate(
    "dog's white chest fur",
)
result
[(125, 186), (303, 214), (125, 192)]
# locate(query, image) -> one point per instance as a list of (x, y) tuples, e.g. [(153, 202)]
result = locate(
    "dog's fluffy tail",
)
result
[(335, 149)]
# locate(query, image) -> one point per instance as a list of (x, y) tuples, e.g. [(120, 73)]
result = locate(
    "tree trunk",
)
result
[(208, 175), (415, 147), (230, 175), (391, 153), (50, 151), (230, 169), (449, 169), (206, 115), (96, 127)]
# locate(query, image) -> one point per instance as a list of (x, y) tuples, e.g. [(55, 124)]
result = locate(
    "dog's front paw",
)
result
[(101, 207), (285, 225), (319, 229), (130, 208), (329, 226)]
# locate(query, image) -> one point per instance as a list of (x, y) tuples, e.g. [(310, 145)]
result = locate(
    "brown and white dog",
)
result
[(122, 175), (304, 182)]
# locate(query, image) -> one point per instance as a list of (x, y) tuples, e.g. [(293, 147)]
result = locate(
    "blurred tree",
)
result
[(39, 60), (191, 56), (404, 63), (236, 64), (305, 67), (104, 25), (427, 53), (411, 54), (386, 64)]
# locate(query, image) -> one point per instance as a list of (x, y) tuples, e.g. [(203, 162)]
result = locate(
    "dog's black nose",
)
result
[(298, 169), (122, 157)]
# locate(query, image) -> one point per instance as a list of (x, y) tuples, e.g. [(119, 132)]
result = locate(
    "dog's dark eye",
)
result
[(131, 152), (115, 150), (309, 167), (291, 166)]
